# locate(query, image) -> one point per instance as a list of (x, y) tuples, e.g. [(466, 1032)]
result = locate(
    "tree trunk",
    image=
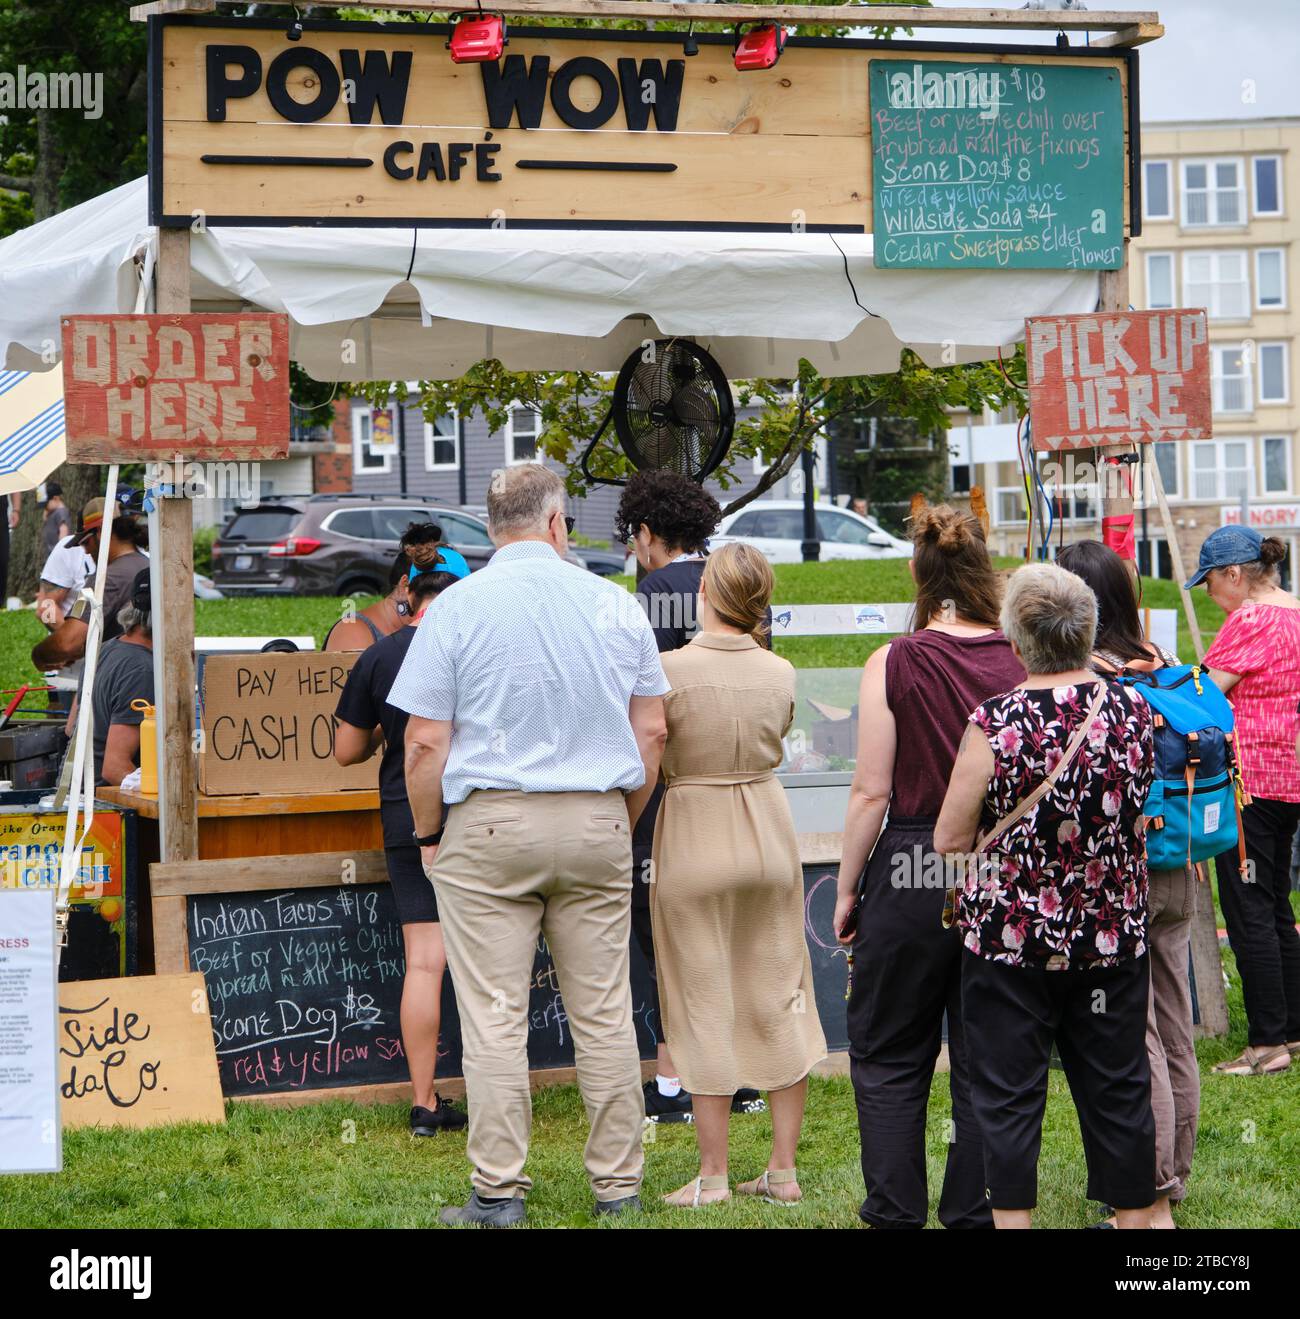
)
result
[(49, 169), (80, 482)]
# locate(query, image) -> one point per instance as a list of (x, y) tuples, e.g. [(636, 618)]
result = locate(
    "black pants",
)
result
[(906, 975), (1098, 1020), (1261, 924)]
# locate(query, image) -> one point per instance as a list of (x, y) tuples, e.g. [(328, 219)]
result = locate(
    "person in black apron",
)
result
[(368, 722)]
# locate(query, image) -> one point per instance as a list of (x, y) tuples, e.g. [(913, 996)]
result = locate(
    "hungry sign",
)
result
[(138, 387), (1118, 378)]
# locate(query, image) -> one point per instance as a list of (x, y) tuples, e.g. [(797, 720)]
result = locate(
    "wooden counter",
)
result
[(267, 826)]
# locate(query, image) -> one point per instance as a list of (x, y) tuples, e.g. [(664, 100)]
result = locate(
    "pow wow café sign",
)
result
[(1129, 377), (372, 124), (140, 387)]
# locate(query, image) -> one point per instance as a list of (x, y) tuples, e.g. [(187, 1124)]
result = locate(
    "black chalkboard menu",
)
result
[(992, 163)]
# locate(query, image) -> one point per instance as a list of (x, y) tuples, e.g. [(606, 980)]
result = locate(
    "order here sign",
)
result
[(1118, 378), (141, 387)]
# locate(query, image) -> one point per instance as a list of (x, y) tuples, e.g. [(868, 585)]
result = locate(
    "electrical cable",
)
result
[(852, 286)]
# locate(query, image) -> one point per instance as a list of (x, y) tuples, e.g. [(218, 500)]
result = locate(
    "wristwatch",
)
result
[(428, 840)]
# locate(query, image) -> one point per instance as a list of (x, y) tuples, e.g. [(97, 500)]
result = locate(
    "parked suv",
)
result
[(331, 544)]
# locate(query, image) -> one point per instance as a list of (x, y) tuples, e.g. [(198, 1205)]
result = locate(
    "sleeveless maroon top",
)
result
[(932, 682)]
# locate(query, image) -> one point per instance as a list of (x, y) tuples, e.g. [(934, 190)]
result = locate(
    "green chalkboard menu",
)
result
[(997, 165)]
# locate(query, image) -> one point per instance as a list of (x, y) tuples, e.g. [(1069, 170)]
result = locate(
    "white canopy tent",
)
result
[(428, 303)]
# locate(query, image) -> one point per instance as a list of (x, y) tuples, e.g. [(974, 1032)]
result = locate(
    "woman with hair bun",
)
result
[(917, 694), (735, 980), (1255, 659)]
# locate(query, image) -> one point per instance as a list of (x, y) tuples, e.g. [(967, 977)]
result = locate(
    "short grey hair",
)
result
[(129, 617), (522, 500), (1051, 617)]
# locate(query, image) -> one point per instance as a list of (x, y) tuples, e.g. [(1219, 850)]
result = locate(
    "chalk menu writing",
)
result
[(994, 165), (305, 985)]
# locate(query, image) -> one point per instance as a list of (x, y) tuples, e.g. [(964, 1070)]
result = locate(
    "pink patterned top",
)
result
[(1262, 643)]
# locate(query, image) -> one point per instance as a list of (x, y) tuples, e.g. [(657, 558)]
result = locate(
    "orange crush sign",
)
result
[(1118, 378), (146, 387)]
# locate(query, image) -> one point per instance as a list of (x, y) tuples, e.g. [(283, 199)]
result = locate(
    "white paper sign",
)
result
[(29, 1008)]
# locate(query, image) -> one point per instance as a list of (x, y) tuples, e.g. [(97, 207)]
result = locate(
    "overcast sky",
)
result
[(1210, 49)]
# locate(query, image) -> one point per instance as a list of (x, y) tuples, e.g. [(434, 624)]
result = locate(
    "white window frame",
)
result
[(454, 437), (1168, 257), (1174, 491), (1254, 189), (1147, 212), (1085, 489), (1285, 348), (361, 444), (1217, 379), (1184, 192), (1219, 470), (511, 460), (1280, 253), (1288, 444), (1214, 303)]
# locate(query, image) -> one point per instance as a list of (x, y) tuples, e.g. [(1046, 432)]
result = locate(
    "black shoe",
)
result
[(485, 1213), (629, 1204), (659, 1108), (746, 1100), (430, 1121)]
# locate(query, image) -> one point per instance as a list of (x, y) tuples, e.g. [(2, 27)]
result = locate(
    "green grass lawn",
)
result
[(870, 582), (339, 1164)]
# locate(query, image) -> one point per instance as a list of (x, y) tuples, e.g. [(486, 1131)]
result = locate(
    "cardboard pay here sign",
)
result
[(268, 725), (141, 387), (1130, 377)]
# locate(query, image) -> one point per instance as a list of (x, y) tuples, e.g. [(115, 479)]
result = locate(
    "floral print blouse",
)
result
[(1066, 886)]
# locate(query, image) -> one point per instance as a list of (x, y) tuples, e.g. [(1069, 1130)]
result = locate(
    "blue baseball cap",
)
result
[(1226, 546), (448, 561)]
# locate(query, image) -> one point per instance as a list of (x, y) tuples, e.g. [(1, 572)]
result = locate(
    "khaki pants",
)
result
[(1175, 1081), (513, 865)]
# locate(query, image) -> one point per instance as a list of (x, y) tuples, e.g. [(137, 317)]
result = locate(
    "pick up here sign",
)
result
[(1118, 378)]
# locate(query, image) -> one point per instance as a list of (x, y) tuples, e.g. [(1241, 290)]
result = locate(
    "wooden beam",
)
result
[(172, 580), (248, 874), (1143, 26), (1137, 35)]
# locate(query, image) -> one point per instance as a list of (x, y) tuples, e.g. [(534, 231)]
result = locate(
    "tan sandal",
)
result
[(698, 1188), (771, 1177), (1257, 1062), (1293, 1048)]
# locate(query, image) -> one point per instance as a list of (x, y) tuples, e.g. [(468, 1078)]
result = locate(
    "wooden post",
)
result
[(172, 582)]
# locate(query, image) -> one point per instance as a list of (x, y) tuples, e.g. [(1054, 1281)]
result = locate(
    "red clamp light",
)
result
[(758, 48), (477, 38)]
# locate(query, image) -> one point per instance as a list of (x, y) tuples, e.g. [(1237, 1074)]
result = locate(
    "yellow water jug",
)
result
[(148, 749)]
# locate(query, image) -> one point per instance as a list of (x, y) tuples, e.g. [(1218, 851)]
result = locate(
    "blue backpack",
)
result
[(1193, 804)]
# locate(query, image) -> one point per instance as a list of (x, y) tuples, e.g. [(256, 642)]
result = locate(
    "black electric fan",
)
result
[(672, 411)]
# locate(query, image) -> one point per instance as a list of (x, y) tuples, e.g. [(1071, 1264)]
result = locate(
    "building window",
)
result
[(1277, 464), (373, 438), (1220, 469), (1268, 185), (1274, 386), (523, 426), (1157, 201), (1160, 281), (1270, 278), (1218, 282), (961, 479), (1167, 462), (1230, 379), (442, 443), (1079, 504), (1213, 193)]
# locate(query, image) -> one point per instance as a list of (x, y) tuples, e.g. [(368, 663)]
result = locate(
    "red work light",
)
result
[(760, 47), (477, 38)]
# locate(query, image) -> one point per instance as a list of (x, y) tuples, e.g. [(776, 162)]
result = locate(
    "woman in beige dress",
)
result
[(735, 979)]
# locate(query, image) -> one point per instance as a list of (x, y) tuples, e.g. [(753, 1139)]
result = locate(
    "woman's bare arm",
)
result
[(959, 816)]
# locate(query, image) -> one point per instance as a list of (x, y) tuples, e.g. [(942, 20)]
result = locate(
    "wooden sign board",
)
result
[(1131, 377), (982, 163), (141, 388), (372, 124), (268, 725), (137, 1052)]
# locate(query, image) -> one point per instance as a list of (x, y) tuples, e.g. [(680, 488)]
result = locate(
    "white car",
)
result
[(775, 526)]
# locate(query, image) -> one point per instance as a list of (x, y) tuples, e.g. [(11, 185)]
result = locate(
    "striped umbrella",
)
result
[(32, 438)]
